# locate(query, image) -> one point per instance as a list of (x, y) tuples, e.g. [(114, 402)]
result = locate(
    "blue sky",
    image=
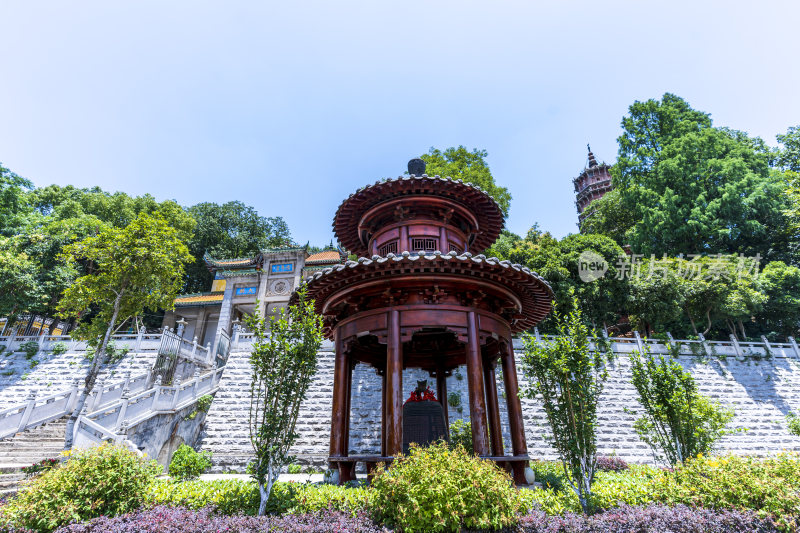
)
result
[(292, 106)]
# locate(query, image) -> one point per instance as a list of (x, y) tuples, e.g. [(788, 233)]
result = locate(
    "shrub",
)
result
[(227, 496), (768, 486), (611, 464), (628, 519), (294, 469), (569, 378), (179, 520), (793, 421), (186, 463), (233, 496), (31, 348), (59, 348), (105, 480), (461, 435), (679, 422), (435, 488)]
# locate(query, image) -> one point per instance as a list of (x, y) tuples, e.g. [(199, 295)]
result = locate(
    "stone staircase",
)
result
[(26, 448)]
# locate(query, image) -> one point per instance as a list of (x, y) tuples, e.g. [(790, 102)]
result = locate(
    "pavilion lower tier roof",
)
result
[(530, 289)]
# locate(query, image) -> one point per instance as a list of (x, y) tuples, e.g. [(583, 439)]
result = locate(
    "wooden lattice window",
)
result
[(455, 247), (420, 244), (388, 248)]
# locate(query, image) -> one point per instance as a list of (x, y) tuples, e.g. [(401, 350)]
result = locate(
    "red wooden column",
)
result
[(441, 392), (394, 387), (493, 407), (477, 405), (338, 411), (515, 424)]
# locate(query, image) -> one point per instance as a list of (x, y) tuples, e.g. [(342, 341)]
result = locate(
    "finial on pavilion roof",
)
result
[(416, 167), (592, 160)]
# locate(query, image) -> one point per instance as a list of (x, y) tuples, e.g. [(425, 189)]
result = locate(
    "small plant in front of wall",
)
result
[(294, 469), (793, 421), (59, 348), (202, 406), (453, 399), (458, 375), (33, 363), (31, 348)]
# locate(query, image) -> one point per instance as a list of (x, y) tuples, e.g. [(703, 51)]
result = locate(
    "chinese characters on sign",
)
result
[(592, 266)]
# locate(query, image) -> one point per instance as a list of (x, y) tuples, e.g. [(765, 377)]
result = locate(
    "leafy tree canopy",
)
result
[(684, 186), (788, 156), (471, 167), (13, 204)]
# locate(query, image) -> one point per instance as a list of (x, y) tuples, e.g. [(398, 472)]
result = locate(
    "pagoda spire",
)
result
[(592, 160)]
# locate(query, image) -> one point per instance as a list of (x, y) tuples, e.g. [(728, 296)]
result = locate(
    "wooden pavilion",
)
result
[(425, 298)]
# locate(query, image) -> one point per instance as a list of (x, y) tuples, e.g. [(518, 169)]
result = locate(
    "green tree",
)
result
[(13, 203), (781, 285), (471, 167), (229, 230), (133, 268), (609, 216), (679, 423), (284, 360), (19, 287), (570, 378), (788, 157), (655, 298)]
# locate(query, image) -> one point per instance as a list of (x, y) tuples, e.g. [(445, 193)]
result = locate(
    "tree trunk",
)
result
[(91, 377), (741, 326), (708, 318), (691, 319), (265, 491)]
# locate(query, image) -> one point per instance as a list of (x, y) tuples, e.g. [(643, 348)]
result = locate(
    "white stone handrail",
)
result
[(697, 347), (113, 421), (134, 342)]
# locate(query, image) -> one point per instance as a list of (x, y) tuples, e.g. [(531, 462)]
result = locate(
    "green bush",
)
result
[(186, 463), (436, 488), (768, 486), (59, 348), (461, 435), (679, 423), (793, 421), (235, 496), (228, 496), (294, 469), (31, 348), (105, 480)]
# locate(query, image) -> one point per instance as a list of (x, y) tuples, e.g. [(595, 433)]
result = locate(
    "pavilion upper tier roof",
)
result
[(476, 200)]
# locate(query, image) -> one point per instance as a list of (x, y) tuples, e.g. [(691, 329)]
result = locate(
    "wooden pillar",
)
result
[(348, 394), (394, 387), (383, 413), (340, 389), (493, 407), (477, 405), (441, 392), (405, 243), (518, 445)]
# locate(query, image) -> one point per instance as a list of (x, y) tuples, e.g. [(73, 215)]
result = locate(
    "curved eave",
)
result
[(478, 201), (534, 292)]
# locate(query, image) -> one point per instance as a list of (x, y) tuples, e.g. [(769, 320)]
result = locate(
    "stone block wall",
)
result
[(761, 390)]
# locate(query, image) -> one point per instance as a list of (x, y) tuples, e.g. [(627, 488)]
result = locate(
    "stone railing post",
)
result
[(704, 342), (736, 348), (194, 347), (98, 395), (537, 335), (126, 385), (767, 345), (235, 341), (26, 415), (73, 396), (157, 394), (139, 336), (126, 395), (177, 389), (196, 386), (121, 432), (209, 355), (638, 338), (794, 347)]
